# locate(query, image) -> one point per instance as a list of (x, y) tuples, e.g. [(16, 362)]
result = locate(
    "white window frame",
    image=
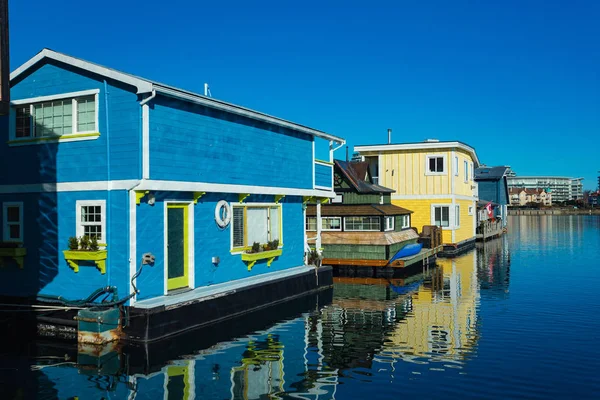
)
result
[(238, 249), (388, 226), (456, 165), (457, 215), (307, 224), (405, 221), (362, 230), (472, 172), (332, 218), (43, 99), (466, 164), (444, 163), (470, 210), (6, 224), (79, 225), (447, 205)]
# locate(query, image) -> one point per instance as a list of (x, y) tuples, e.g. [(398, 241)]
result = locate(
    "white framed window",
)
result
[(91, 219), (440, 215), (436, 164), (256, 223), (362, 224), (456, 165), (405, 219), (55, 116), (12, 222), (470, 210), (389, 223), (457, 216), (472, 172), (466, 172), (311, 223), (331, 223)]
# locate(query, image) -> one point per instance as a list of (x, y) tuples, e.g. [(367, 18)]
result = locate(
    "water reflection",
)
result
[(372, 330)]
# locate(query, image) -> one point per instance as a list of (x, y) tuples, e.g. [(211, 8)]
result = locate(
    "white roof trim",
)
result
[(418, 146), (147, 86), (142, 85), (234, 109)]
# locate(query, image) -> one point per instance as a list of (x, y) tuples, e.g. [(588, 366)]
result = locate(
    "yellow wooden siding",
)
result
[(422, 214), (460, 186), (405, 172), (465, 231)]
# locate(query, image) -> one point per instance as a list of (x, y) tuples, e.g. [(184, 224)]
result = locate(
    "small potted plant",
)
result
[(85, 249)]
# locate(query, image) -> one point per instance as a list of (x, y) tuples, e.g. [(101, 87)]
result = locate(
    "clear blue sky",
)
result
[(517, 80)]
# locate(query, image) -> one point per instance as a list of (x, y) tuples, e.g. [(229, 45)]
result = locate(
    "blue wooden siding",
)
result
[(49, 221), (76, 161), (323, 175), (493, 191), (212, 241), (190, 142)]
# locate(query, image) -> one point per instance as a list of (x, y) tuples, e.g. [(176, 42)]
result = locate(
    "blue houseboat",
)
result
[(209, 197), (492, 207)]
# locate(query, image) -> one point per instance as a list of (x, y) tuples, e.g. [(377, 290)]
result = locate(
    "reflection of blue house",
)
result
[(493, 187), (149, 168)]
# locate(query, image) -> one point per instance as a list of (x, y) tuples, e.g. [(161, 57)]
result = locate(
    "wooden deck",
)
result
[(488, 230)]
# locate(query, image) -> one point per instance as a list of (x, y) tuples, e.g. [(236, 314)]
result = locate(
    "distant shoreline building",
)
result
[(562, 188)]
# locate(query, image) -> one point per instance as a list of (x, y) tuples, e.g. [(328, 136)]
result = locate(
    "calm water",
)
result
[(516, 318)]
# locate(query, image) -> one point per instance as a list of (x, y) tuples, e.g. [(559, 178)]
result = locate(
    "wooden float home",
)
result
[(360, 227), (148, 168), (493, 190), (434, 179)]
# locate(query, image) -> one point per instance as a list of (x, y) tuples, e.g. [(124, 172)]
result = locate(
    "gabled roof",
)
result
[(355, 173), (427, 145), (490, 173), (147, 86)]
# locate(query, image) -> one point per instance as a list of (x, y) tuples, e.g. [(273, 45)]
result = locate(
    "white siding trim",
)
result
[(145, 141), (142, 86), (418, 146), (59, 96), (176, 186), (314, 169)]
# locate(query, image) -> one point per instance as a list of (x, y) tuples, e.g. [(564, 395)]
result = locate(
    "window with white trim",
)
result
[(389, 223), (91, 219), (12, 222), (466, 172), (55, 116), (405, 220), (456, 165), (362, 224), (435, 164), (311, 223), (331, 223), (440, 216), (457, 216), (255, 223)]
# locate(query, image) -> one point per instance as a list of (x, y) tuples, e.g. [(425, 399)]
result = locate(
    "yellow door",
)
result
[(177, 246)]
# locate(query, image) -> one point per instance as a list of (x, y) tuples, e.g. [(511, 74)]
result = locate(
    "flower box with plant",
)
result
[(85, 249), (314, 258), (262, 252), (13, 250)]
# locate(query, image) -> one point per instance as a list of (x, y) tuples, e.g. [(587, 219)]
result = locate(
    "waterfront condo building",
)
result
[(433, 179), (562, 188)]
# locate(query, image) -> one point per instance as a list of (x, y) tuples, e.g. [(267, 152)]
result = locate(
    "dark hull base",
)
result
[(146, 325), (450, 251)]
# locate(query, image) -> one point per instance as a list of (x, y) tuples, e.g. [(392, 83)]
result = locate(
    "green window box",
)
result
[(98, 257), (252, 258), (16, 253)]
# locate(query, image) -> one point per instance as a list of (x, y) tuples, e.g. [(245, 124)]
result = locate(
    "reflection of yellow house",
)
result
[(434, 179), (442, 324)]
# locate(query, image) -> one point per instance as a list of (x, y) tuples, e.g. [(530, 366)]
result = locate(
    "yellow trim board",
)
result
[(181, 281), (61, 138)]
